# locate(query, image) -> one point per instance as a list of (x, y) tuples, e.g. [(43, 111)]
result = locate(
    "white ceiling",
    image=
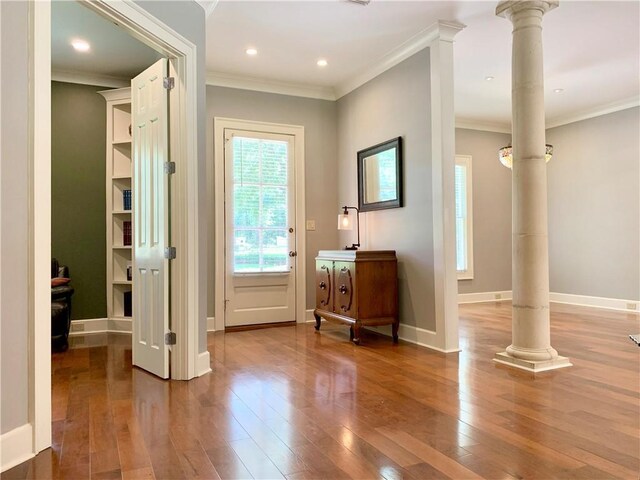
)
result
[(591, 50)]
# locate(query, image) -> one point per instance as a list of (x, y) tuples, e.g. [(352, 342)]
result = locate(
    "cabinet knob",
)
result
[(323, 285), (343, 289)]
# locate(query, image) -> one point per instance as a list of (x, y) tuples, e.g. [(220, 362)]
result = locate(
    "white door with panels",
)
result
[(150, 130), (260, 237)]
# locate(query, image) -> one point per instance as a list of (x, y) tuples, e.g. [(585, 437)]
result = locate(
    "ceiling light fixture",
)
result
[(322, 62), (558, 90), (361, 2), (488, 79), (505, 155), (251, 51), (80, 45)]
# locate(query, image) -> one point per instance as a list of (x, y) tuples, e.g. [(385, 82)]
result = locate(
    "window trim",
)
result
[(466, 161)]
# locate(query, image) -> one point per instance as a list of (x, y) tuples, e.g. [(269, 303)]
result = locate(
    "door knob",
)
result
[(293, 254)]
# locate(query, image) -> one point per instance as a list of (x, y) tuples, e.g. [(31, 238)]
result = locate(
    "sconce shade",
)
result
[(505, 154), (345, 222)]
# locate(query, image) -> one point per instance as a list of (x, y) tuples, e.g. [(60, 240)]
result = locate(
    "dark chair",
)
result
[(60, 308)]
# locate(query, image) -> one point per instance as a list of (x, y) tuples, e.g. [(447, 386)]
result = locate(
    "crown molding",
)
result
[(483, 125), (82, 78), (208, 6), (261, 85), (439, 30), (594, 112)]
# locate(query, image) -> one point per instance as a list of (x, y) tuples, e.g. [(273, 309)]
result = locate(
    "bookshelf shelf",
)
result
[(119, 215)]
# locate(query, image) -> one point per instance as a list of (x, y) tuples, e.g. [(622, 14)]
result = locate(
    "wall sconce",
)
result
[(345, 222), (505, 155)]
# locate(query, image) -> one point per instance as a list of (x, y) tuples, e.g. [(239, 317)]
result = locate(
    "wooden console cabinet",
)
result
[(358, 288)]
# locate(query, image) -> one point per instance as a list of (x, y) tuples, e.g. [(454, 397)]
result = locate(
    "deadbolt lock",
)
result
[(290, 229), (293, 254)]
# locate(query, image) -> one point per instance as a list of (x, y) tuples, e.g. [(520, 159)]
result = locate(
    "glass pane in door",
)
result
[(260, 210)]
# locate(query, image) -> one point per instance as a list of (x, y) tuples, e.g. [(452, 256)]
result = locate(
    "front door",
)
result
[(149, 116), (259, 228)]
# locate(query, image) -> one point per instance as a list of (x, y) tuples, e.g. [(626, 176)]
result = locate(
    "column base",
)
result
[(534, 366)]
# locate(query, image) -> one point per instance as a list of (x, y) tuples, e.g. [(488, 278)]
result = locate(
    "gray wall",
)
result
[(491, 211), (14, 384), (78, 191), (188, 19), (594, 207), (394, 104), (319, 120)]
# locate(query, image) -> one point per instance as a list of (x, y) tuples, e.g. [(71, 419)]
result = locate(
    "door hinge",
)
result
[(169, 168), (168, 82), (170, 338), (170, 253)]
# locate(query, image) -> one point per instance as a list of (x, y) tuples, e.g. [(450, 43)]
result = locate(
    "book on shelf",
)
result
[(127, 304), (126, 199), (126, 233)]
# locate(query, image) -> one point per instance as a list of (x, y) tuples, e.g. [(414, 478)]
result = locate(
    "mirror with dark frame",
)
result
[(380, 176)]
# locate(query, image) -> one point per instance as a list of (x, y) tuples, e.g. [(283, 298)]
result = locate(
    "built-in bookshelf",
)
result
[(119, 209)]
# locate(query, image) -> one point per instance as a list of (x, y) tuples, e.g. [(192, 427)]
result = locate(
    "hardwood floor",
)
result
[(292, 403)]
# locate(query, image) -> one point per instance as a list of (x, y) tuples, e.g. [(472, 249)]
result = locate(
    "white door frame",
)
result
[(186, 288), (219, 125)]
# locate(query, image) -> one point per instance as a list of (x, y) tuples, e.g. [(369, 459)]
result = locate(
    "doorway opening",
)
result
[(260, 224), (187, 362)]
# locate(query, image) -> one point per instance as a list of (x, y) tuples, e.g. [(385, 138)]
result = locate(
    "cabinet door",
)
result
[(324, 286), (345, 289)]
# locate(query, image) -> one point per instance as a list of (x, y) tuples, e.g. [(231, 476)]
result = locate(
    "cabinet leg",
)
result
[(318, 320), (355, 329), (394, 330)]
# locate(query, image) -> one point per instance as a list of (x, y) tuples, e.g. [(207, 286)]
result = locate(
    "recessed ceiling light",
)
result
[(80, 45), (558, 90), (251, 51), (322, 62), (488, 79)]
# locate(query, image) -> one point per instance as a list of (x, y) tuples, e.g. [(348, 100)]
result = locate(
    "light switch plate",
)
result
[(311, 225)]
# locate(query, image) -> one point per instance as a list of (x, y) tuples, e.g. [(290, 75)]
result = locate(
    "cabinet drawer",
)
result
[(324, 285), (345, 299)]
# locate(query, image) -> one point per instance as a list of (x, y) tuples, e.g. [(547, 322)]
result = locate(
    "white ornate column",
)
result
[(531, 343)]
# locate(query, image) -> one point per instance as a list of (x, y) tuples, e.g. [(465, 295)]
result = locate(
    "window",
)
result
[(464, 218), (260, 205)]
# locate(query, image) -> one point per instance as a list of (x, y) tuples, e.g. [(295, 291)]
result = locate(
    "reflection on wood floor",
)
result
[(292, 403)]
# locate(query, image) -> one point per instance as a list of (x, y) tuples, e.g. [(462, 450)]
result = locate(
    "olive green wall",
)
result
[(78, 226)]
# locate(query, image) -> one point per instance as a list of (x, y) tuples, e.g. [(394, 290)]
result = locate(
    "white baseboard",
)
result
[(308, 317), (484, 297), (622, 305), (631, 306), (16, 447), (90, 326), (204, 363), (211, 324)]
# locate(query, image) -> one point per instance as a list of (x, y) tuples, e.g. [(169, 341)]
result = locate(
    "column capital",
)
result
[(507, 8)]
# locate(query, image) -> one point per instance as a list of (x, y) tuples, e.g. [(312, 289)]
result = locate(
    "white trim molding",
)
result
[(204, 363), (484, 297), (483, 126), (298, 132), (418, 42), (83, 78), (309, 316), (631, 306), (621, 305), (99, 325), (416, 335), (219, 79), (16, 446), (594, 112), (211, 324), (208, 5), (443, 140)]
